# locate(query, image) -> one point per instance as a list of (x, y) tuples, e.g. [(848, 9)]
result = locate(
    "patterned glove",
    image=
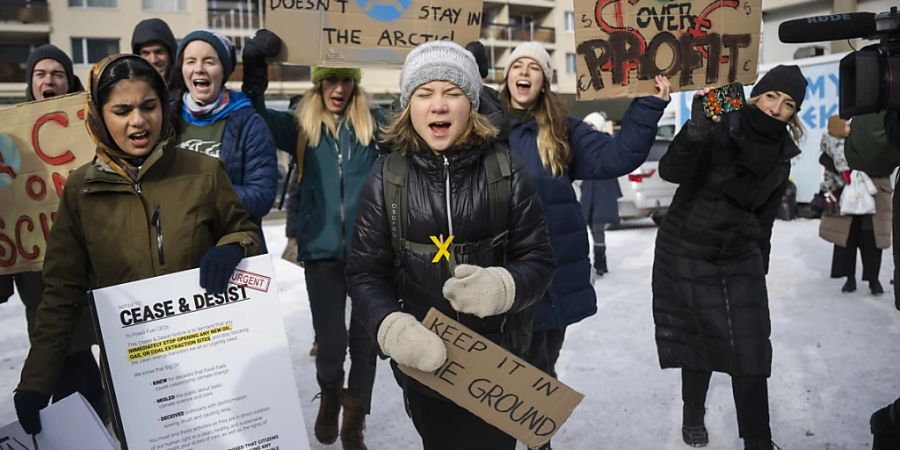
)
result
[(408, 342), (482, 291)]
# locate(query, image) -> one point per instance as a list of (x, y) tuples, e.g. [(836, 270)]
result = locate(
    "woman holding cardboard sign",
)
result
[(710, 302), (114, 210), (448, 221), (334, 133)]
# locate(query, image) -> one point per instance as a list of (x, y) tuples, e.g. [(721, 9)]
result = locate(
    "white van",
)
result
[(644, 192)]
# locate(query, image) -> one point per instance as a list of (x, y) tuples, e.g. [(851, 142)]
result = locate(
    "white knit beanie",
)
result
[(535, 51), (440, 60)]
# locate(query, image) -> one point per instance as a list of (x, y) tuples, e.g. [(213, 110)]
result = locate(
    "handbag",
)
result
[(857, 198), (826, 203)]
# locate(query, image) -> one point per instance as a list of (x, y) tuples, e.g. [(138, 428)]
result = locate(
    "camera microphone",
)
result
[(833, 27)]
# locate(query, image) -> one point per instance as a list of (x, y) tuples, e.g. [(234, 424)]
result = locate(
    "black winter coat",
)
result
[(710, 303), (378, 287)]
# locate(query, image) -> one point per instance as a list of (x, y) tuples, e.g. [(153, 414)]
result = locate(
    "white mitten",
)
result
[(482, 291), (408, 342)]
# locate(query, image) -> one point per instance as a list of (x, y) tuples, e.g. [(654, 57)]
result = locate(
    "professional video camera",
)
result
[(870, 77)]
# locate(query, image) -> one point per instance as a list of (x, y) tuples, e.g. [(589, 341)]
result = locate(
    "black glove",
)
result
[(28, 406), (217, 266), (261, 45)]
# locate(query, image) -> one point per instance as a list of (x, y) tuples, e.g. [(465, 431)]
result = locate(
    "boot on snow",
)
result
[(329, 396), (760, 444), (600, 260), (875, 287), (849, 286), (354, 422), (693, 430)]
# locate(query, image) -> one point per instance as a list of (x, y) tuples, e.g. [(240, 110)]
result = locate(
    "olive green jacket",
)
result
[(108, 231)]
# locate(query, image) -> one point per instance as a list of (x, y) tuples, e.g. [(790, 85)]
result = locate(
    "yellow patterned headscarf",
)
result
[(107, 150)]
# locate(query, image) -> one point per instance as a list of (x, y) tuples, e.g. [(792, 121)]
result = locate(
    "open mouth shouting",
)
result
[(523, 87), (337, 101), (440, 129), (48, 93), (139, 139)]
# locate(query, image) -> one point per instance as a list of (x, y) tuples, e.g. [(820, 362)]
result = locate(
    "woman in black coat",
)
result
[(491, 277), (712, 251)]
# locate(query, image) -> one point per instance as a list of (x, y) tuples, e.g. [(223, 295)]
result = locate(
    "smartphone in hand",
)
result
[(723, 100)]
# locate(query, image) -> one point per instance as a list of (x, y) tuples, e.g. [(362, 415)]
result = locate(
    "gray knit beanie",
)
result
[(535, 51), (440, 60)]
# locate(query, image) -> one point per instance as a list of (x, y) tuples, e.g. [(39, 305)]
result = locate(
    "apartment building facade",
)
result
[(91, 29)]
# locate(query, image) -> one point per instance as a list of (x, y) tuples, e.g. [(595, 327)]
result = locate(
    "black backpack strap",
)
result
[(394, 185), (499, 175)]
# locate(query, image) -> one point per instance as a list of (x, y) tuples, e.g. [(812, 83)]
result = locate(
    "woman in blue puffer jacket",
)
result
[(556, 150), (222, 123)]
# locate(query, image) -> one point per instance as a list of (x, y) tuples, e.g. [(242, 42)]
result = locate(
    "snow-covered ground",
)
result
[(837, 356)]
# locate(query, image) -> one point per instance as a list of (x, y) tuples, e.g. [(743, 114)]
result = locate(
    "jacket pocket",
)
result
[(304, 215)]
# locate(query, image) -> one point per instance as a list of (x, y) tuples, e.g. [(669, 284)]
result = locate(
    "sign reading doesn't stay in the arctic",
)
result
[(368, 32), (623, 44)]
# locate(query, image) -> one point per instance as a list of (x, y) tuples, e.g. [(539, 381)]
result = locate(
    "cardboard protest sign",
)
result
[(68, 424), (496, 385), (190, 369), (623, 45), (40, 143), (353, 33)]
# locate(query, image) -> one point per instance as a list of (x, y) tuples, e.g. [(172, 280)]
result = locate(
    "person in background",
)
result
[(556, 150), (490, 105), (447, 149), (190, 196), (49, 74), (216, 121), (153, 40), (334, 134), (710, 302), (867, 150), (599, 201)]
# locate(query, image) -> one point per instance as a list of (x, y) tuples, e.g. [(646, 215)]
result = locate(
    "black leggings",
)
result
[(751, 400), (444, 426)]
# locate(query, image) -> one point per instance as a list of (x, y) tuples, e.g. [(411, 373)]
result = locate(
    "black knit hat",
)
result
[(222, 45), (787, 79), (50, 51), (477, 50)]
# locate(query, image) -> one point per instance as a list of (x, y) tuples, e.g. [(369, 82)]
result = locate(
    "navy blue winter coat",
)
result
[(595, 155), (600, 200)]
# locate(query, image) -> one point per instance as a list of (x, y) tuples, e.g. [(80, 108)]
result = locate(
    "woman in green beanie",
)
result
[(333, 132)]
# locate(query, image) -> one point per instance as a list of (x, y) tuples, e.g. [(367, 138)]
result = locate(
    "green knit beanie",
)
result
[(320, 73)]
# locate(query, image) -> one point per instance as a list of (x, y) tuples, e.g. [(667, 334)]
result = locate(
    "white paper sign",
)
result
[(201, 371), (69, 424)]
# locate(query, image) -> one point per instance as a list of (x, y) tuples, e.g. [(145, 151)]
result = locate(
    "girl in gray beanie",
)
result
[(445, 177)]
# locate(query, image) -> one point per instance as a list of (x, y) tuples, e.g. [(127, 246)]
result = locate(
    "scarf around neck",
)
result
[(197, 114), (760, 144)]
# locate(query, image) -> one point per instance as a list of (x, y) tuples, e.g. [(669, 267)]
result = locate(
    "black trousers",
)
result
[(862, 237), (544, 350), (751, 400), (444, 426), (327, 289)]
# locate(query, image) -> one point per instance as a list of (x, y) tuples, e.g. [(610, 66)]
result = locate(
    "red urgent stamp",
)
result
[(251, 280)]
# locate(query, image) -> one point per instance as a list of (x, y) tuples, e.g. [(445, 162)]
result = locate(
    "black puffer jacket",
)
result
[(709, 290), (378, 287)]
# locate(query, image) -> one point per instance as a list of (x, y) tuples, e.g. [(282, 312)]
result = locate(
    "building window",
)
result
[(93, 3), (570, 21), (165, 5), (570, 63), (92, 50)]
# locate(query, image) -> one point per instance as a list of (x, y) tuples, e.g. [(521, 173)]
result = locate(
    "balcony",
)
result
[(234, 16), (519, 33), (24, 12)]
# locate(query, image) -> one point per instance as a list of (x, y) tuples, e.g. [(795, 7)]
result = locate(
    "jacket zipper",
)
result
[(449, 214), (728, 313), (340, 161), (157, 223), (140, 194)]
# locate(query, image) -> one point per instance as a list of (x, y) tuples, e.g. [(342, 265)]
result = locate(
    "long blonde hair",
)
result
[(311, 115), (794, 122), (553, 132), (400, 135)]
